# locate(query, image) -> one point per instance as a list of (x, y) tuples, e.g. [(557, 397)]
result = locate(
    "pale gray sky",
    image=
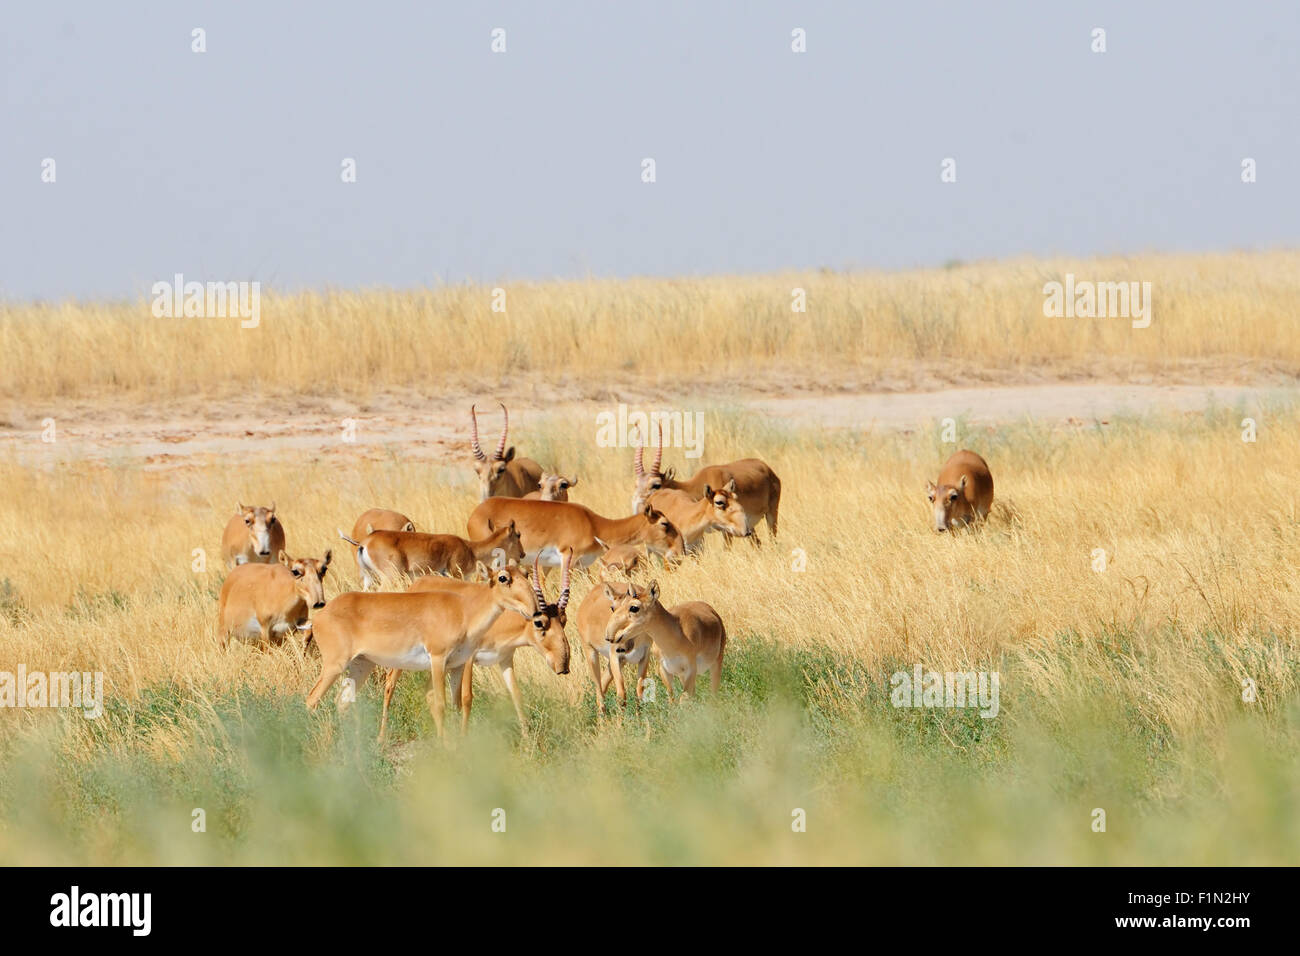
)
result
[(472, 165)]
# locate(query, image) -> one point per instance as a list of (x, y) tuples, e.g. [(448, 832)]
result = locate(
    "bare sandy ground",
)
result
[(185, 432)]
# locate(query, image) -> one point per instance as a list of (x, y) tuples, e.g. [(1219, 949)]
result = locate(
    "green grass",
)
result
[(712, 781)]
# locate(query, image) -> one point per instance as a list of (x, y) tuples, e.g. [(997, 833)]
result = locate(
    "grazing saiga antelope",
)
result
[(503, 475), (544, 631), (717, 510), (593, 617), (553, 488), (550, 528), (624, 558), (253, 535), (757, 486), (690, 637), (964, 492), (381, 519), (433, 631), (267, 601), (414, 553)]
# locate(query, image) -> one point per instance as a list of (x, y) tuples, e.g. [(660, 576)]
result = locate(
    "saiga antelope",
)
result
[(621, 557), (717, 510), (432, 630), (413, 553), (503, 475), (593, 617), (270, 600), (964, 492), (253, 535), (544, 631), (757, 486), (550, 528), (553, 488), (381, 519), (690, 637)]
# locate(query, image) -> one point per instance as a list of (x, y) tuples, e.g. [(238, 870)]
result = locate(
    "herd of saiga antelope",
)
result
[(446, 623)]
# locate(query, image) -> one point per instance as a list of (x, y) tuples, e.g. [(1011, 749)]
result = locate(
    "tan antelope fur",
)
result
[(503, 475), (435, 631), (553, 488), (690, 638), (381, 519), (253, 535), (624, 558), (550, 528), (387, 554), (964, 492), (718, 509), (267, 601), (756, 485), (544, 631), (593, 617)]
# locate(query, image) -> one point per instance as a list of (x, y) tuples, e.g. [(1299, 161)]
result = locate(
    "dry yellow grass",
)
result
[(983, 320), (1199, 529), (1122, 688)]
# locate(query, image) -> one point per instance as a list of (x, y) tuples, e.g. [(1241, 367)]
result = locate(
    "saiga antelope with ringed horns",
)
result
[(503, 475), (757, 486)]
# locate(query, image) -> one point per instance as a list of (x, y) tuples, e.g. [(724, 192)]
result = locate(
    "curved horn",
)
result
[(659, 452), (638, 466), (473, 435), (537, 582), (505, 428), (563, 602)]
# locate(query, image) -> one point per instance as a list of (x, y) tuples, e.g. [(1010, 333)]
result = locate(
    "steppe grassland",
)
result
[(975, 322), (1121, 689)]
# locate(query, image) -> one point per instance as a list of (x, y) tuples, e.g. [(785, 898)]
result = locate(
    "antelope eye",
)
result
[(953, 496), (297, 572), (539, 622), (635, 609), (503, 579), (248, 521), (930, 495)]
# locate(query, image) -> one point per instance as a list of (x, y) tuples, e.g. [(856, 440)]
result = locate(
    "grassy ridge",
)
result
[(1235, 309), (1121, 689)]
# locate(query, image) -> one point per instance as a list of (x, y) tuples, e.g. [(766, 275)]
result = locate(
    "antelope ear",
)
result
[(240, 509), (510, 454), (730, 487), (708, 493), (648, 510), (488, 576), (654, 591), (573, 482), (930, 487), (272, 508), (513, 529), (329, 554), (370, 529), (963, 482), (409, 526), (284, 558), (491, 526), (611, 596)]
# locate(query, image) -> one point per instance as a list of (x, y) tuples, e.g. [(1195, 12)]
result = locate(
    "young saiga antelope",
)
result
[(553, 488), (593, 617), (267, 601), (964, 492), (381, 519), (690, 637), (503, 475), (433, 631), (413, 553), (543, 631), (253, 535)]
